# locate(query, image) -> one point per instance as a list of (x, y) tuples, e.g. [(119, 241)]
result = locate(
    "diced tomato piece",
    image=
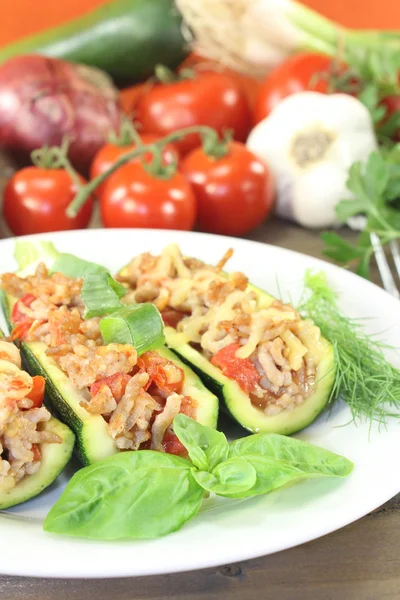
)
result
[(167, 376), (20, 332), (17, 316), (241, 370), (37, 455), (37, 392), (172, 317), (117, 384), (172, 445), (188, 407)]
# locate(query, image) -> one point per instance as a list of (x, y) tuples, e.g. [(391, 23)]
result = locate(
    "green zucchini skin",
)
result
[(54, 458), (125, 38), (237, 404), (93, 442)]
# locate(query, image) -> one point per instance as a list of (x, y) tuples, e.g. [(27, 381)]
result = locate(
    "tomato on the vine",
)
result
[(209, 98), (304, 71), (110, 153), (234, 192), (132, 197), (35, 200)]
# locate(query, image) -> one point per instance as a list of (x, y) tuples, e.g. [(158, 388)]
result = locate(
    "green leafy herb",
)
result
[(140, 325), (146, 494), (231, 478), (255, 464), (206, 447), (376, 188), (142, 494), (365, 380)]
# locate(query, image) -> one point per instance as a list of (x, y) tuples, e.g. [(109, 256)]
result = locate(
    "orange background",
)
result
[(23, 17)]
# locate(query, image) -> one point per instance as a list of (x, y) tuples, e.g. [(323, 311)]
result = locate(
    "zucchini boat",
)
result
[(35, 446), (94, 412), (272, 371)]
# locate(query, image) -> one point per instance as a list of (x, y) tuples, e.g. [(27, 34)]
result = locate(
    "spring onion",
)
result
[(254, 36), (73, 266), (101, 294), (140, 325)]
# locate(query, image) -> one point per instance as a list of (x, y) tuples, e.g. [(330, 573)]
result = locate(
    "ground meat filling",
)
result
[(138, 397), (22, 423), (272, 360)]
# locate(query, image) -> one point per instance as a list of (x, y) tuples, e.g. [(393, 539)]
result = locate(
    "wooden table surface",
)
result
[(358, 562)]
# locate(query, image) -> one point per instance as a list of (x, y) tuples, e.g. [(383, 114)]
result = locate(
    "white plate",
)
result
[(225, 530)]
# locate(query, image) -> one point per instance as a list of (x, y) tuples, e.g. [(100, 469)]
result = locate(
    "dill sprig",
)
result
[(365, 379)]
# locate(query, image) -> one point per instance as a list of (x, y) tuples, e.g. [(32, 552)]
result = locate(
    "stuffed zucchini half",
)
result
[(34, 446), (272, 370), (111, 398)]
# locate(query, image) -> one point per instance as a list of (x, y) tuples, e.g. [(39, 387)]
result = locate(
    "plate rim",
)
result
[(245, 554)]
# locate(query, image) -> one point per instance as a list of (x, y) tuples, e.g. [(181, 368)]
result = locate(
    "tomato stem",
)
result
[(157, 168), (217, 147), (55, 157), (87, 190), (126, 136), (166, 75)]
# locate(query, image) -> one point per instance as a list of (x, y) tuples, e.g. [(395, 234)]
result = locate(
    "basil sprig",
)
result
[(146, 494)]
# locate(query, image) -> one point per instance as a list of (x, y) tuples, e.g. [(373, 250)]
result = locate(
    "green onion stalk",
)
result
[(254, 36)]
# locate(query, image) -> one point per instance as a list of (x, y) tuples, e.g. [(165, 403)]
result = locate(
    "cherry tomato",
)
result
[(109, 153), (305, 71), (241, 370), (134, 198), (212, 99), (35, 201), (392, 105), (37, 392), (234, 193)]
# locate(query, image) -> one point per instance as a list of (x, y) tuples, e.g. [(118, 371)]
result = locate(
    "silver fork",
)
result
[(387, 277)]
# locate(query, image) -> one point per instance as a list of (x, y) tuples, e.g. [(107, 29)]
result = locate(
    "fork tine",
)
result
[(384, 269), (396, 255)]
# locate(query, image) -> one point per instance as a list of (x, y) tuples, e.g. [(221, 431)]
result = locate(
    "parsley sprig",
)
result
[(375, 187)]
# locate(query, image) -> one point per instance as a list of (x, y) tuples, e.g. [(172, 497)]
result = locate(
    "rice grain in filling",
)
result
[(216, 311), (21, 423), (138, 397)]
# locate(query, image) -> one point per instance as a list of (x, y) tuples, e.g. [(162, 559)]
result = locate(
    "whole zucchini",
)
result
[(125, 38)]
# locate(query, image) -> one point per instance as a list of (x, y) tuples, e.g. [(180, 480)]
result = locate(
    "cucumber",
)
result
[(125, 38), (237, 403), (54, 459), (93, 442)]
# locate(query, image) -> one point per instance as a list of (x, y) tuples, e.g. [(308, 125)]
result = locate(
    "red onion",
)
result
[(43, 99)]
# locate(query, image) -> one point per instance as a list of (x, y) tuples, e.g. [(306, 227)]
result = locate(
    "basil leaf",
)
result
[(141, 494), (307, 459), (231, 478), (206, 447)]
